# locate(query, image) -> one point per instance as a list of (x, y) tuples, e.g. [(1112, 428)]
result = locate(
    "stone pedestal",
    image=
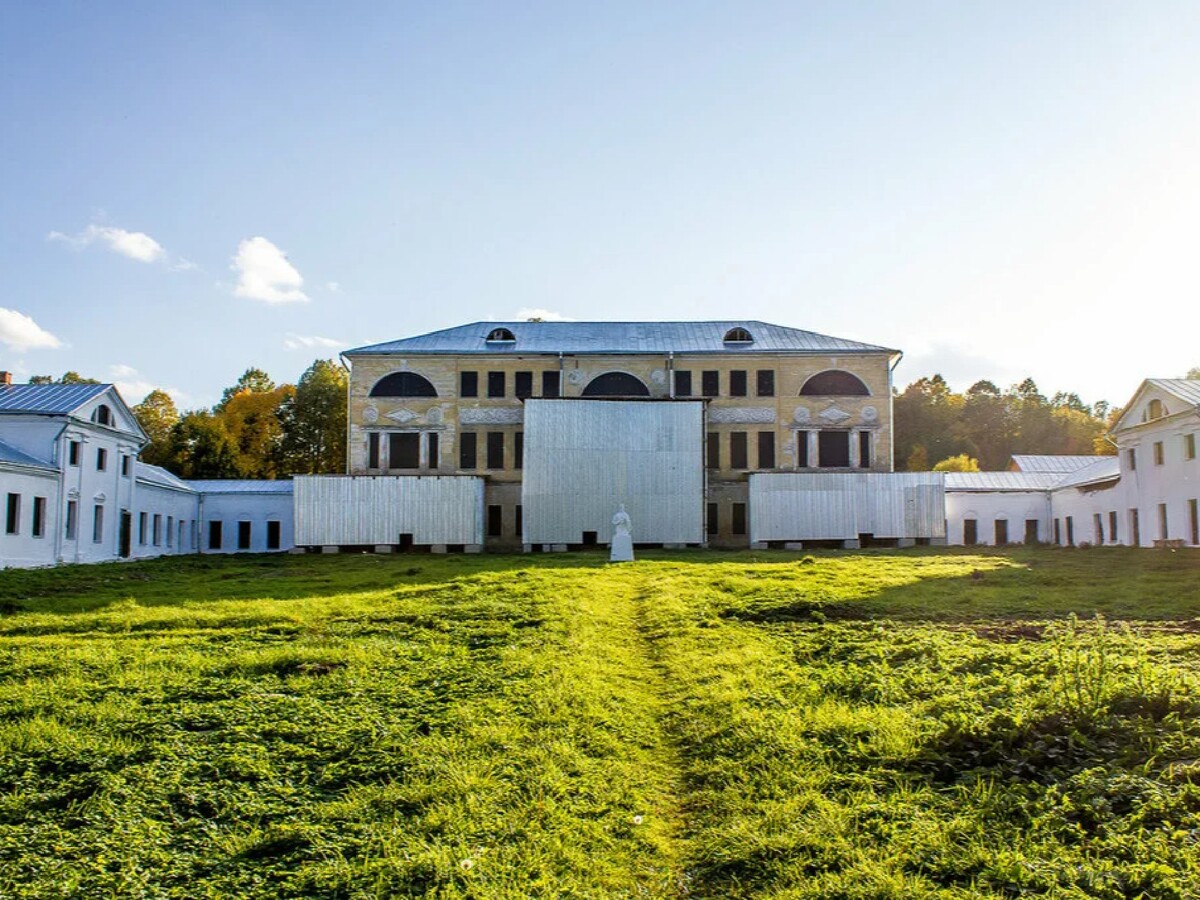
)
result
[(437, 548), (851, 545), (333, 548), (793, 545), (383, 548), (906, 542)]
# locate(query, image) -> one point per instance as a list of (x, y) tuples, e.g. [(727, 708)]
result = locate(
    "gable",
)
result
[(1155, 399), (107, 411)]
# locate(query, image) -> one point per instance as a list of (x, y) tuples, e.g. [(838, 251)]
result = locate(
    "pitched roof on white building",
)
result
[(240, 486), (1025, 462), (617, 338), (1002, 481), (47, 399), (10, 454), (1102, 469)]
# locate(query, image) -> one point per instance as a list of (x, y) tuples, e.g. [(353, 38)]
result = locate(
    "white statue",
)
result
[(621, 549)]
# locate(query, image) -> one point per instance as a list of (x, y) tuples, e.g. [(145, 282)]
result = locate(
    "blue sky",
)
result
[(999, 190)]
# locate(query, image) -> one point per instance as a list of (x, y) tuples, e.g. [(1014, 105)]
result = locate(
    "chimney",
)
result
[(5, 377)]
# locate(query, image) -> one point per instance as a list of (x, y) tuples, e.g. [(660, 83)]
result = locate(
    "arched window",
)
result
[(403, 384), (834, 383), (1155, 410), (738, 335), (500, 334), (103, 415), (615, 384)]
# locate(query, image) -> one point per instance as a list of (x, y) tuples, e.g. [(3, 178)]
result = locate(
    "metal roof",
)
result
[(1102, 468), (1002, 481), (10, 454), (1026, 462), (47, 399), (617, 338), (240, 486), (160, 476), (1186, 389)]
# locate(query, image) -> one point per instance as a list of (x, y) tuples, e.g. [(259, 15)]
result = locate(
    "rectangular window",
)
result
[(101, 459), (1135, 528), (468, 450), (468, 384), (518, 520), (1031, 531), (1189, 446), (737, 451), (170, 531), (433, 457), (157, 529), (970, 532), (1194, 516), (1000, 528), (1131, 456), (495, 450), (864, 449), (40, 516), (737, 523), (766, 382), (373, 450), (404, 450), (714, 519), (73, 453), (710, 383), (737, 383), (766, 449), (72, 519), (713, 448), (1057, 533), (1163, 530), (802, 450), (214, 535), (834, 447), (143, 528), (243, 535), (97, 523), (523, 385), (496, 384), (274, 535), (126, 465), (1070, 531), (519, 450), (12, 522), (1158, 453), (1112, 527), (1098, 528), (495, 522), (683, 384), (550, 384)]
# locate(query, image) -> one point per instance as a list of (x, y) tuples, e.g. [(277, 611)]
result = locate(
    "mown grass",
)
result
[(883, 724)]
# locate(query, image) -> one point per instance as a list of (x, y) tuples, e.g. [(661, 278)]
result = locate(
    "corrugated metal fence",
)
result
[(360, 510), (843, 505)]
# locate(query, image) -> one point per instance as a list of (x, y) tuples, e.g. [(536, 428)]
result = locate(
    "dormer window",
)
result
[(103, 415), (738, 336), (501, 336)]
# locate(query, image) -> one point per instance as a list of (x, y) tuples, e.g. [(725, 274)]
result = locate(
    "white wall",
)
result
[(244, 506), (985, 507), (23, 549), (1173, 483), (366, 510), (173, 507)]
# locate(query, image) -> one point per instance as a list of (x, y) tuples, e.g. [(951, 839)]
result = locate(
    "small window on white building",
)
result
[(39, 517), (73, 450), (243, 535), (12, 521), (1189, 446), (1158, 453), (72, 519), (101, 459), (98, 523)]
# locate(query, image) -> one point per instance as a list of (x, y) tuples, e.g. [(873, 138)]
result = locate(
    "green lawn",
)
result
[(867, 725)]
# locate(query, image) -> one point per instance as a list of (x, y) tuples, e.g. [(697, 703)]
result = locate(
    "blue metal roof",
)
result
[(47, 399), (10, 454), (236, 486), (617, 338), (160, 476)]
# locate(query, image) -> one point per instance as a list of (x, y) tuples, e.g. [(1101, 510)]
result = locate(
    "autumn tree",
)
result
[(253, 380), (314, 421), (202, 448), (251, 419), (158, 417), (960, 463)]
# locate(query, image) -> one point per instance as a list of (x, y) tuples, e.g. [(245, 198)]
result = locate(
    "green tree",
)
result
[(960, 463), (253, 380), (1193, 373), (314, 422), (67, 378), (202, 448), (158, 417), (926, 414)]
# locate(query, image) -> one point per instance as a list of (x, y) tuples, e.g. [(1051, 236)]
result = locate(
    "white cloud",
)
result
[(333, 287), (134, 387), (265, 274), (546, 315), (133, 244), (19, 332), (311, 342)]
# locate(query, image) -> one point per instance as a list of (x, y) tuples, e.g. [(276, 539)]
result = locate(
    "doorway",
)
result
[(126, 534)]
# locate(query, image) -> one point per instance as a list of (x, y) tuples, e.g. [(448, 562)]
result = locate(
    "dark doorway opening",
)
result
[(834, 447), (126, 534)]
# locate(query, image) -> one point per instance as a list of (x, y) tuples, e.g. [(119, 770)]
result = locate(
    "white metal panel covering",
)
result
[(585, 457), (377, 509), (842, 505)]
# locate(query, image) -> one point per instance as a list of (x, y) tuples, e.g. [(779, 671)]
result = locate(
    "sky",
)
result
[(999, 190)]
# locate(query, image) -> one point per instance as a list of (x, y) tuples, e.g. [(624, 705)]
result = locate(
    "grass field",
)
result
[(870, 725)]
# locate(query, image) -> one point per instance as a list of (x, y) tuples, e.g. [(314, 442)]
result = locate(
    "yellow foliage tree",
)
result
[(960, 463)]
